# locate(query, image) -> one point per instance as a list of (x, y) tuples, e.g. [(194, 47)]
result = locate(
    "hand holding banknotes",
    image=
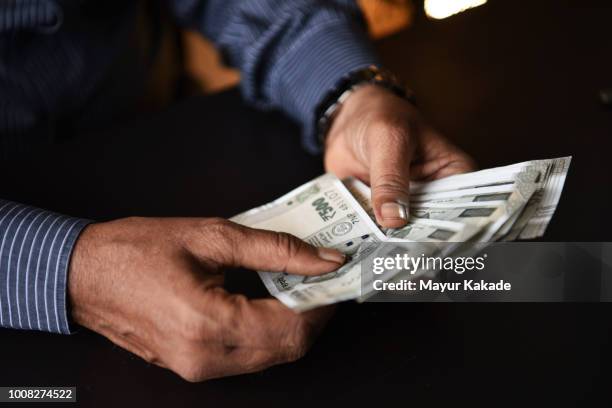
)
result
[(153, 286), (381, 139)]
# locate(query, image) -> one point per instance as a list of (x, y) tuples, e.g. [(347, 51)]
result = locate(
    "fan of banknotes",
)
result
[(499, 204)]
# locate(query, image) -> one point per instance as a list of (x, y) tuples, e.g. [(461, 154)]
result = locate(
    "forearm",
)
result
[(290, 53), (35, 249)]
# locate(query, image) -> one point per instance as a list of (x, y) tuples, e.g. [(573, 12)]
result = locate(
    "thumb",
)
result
[(280, 252), (389, 180)]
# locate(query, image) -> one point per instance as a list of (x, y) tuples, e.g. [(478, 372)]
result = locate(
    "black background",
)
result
[(508, 81)]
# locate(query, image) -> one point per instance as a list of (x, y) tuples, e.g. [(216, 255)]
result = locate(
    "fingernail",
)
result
[(394, 211), (331, 255)]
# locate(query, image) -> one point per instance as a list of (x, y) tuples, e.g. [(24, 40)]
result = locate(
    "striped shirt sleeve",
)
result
[(290, 52), (35, 248)]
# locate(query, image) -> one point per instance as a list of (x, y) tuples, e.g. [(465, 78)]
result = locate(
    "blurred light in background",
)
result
[(386, 17), (439, 9)]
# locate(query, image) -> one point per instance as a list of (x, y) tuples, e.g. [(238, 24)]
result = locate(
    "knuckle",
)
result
[(217, 227), (218, 221), (256, 362), (392, 131), (296, 352), (193, 364), (389, 183), (378, 125), (287, 245), (220, 236), (299, 340), (193, 372), (149, 357), (396, 134), (233, 319), (194, 329), (218, 320), (192, 323)]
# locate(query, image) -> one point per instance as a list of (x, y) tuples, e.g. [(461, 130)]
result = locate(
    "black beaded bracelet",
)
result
[(349, 83)]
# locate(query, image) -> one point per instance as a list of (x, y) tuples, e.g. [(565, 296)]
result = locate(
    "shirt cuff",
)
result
[(35, 250), (315, 66)]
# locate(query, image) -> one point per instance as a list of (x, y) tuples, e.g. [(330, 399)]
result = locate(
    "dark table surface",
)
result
[(508, 82)]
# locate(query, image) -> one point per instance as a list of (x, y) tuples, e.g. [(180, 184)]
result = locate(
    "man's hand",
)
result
[(381, 139), (153, 286)]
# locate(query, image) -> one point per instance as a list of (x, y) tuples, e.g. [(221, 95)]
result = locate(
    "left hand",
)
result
[(382, 140), (154, 287)]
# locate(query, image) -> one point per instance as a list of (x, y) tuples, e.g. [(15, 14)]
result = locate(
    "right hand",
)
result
[(154, 287)]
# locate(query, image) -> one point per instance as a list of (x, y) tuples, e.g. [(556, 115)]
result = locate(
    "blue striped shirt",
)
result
[(35, 247), (53, 55)]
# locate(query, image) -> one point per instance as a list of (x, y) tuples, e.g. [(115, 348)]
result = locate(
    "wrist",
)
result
[(368, 105), (368, 78), (81, 277)]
